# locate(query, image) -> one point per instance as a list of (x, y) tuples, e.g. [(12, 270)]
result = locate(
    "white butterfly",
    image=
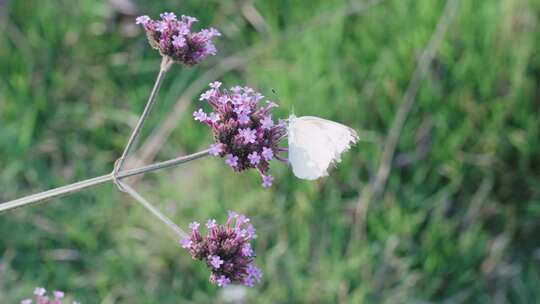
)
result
[(315, 143)]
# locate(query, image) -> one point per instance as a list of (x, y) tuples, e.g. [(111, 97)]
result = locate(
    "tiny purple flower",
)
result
[(211, 223), (194, 226), (26, 301), (249, 135), (267, 123), (215, 261), (162, 26), (223, 281), (216, 149), (142, 20), (178, 41), (241, 220), (189, 20), (254, 158), (167, 16), (232, 160), (213, 117), (224, 99), (232, 215), (200, 115), (254, 275), (236, 89), (186, 243), (207, 95), (58, 294), (251, 232), (247, 250), (267, 180), (213, 33), (267, 154), (215, 85), (243, 119), (40, 291)]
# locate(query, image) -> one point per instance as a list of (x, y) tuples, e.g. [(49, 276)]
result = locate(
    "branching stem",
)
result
[(166, 63), (92, 182)]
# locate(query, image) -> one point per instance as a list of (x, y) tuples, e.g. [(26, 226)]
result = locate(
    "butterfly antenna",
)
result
[(279, 99), (275, 94)]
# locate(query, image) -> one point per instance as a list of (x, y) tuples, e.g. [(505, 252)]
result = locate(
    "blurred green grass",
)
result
[(459, 218)]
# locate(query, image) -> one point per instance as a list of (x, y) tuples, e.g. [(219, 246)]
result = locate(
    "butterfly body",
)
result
[(315, 144)]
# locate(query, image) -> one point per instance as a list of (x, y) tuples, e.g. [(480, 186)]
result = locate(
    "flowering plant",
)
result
[(245, 134), (41, 297), (173, 38), (226, 250), (244, 131)]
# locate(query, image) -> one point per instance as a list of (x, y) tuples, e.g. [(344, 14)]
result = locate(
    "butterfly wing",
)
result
[(315, 143)]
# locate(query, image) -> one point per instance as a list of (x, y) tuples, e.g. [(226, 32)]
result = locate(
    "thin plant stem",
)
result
[(162, 217), (166, 63), (92, 182)]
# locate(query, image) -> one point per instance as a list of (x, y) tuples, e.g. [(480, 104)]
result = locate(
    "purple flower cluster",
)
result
[(42, 298), (244, 131), (173, 38), (226, 250)]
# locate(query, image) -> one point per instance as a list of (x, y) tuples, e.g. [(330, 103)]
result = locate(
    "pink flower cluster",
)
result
[(173, 38), (226, 250), (244, 131), (42, 298)]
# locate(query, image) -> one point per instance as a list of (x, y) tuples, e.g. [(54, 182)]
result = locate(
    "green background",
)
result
[(458, 221)]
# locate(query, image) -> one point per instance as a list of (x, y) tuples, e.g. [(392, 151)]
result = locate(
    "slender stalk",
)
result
[(92, 182), (162, 217), (166, 63)]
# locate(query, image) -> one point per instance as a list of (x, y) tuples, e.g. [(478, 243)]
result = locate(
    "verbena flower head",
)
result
[(41, 297), (226, 250), (244, 131), (173, 38)]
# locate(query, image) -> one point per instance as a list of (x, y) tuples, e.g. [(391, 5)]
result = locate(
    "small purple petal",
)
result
[(167, 16), (232, 160), (207, 95), (247, 251), (200, 115), (216, 149), (223, 281), (251, 232), (58, 294), (142, 20), (243, 119), (215, 261), (215, 85), (211, 223), (232, 215), (40, 291), (267, 154), (267, 180), (162, 26), (267, 123), (249, 135), (254, 158), (213, 117), (194, 226), (186, 243), (179, 41)]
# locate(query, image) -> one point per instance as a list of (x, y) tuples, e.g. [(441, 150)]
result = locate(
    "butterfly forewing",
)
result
[(315, 143)]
